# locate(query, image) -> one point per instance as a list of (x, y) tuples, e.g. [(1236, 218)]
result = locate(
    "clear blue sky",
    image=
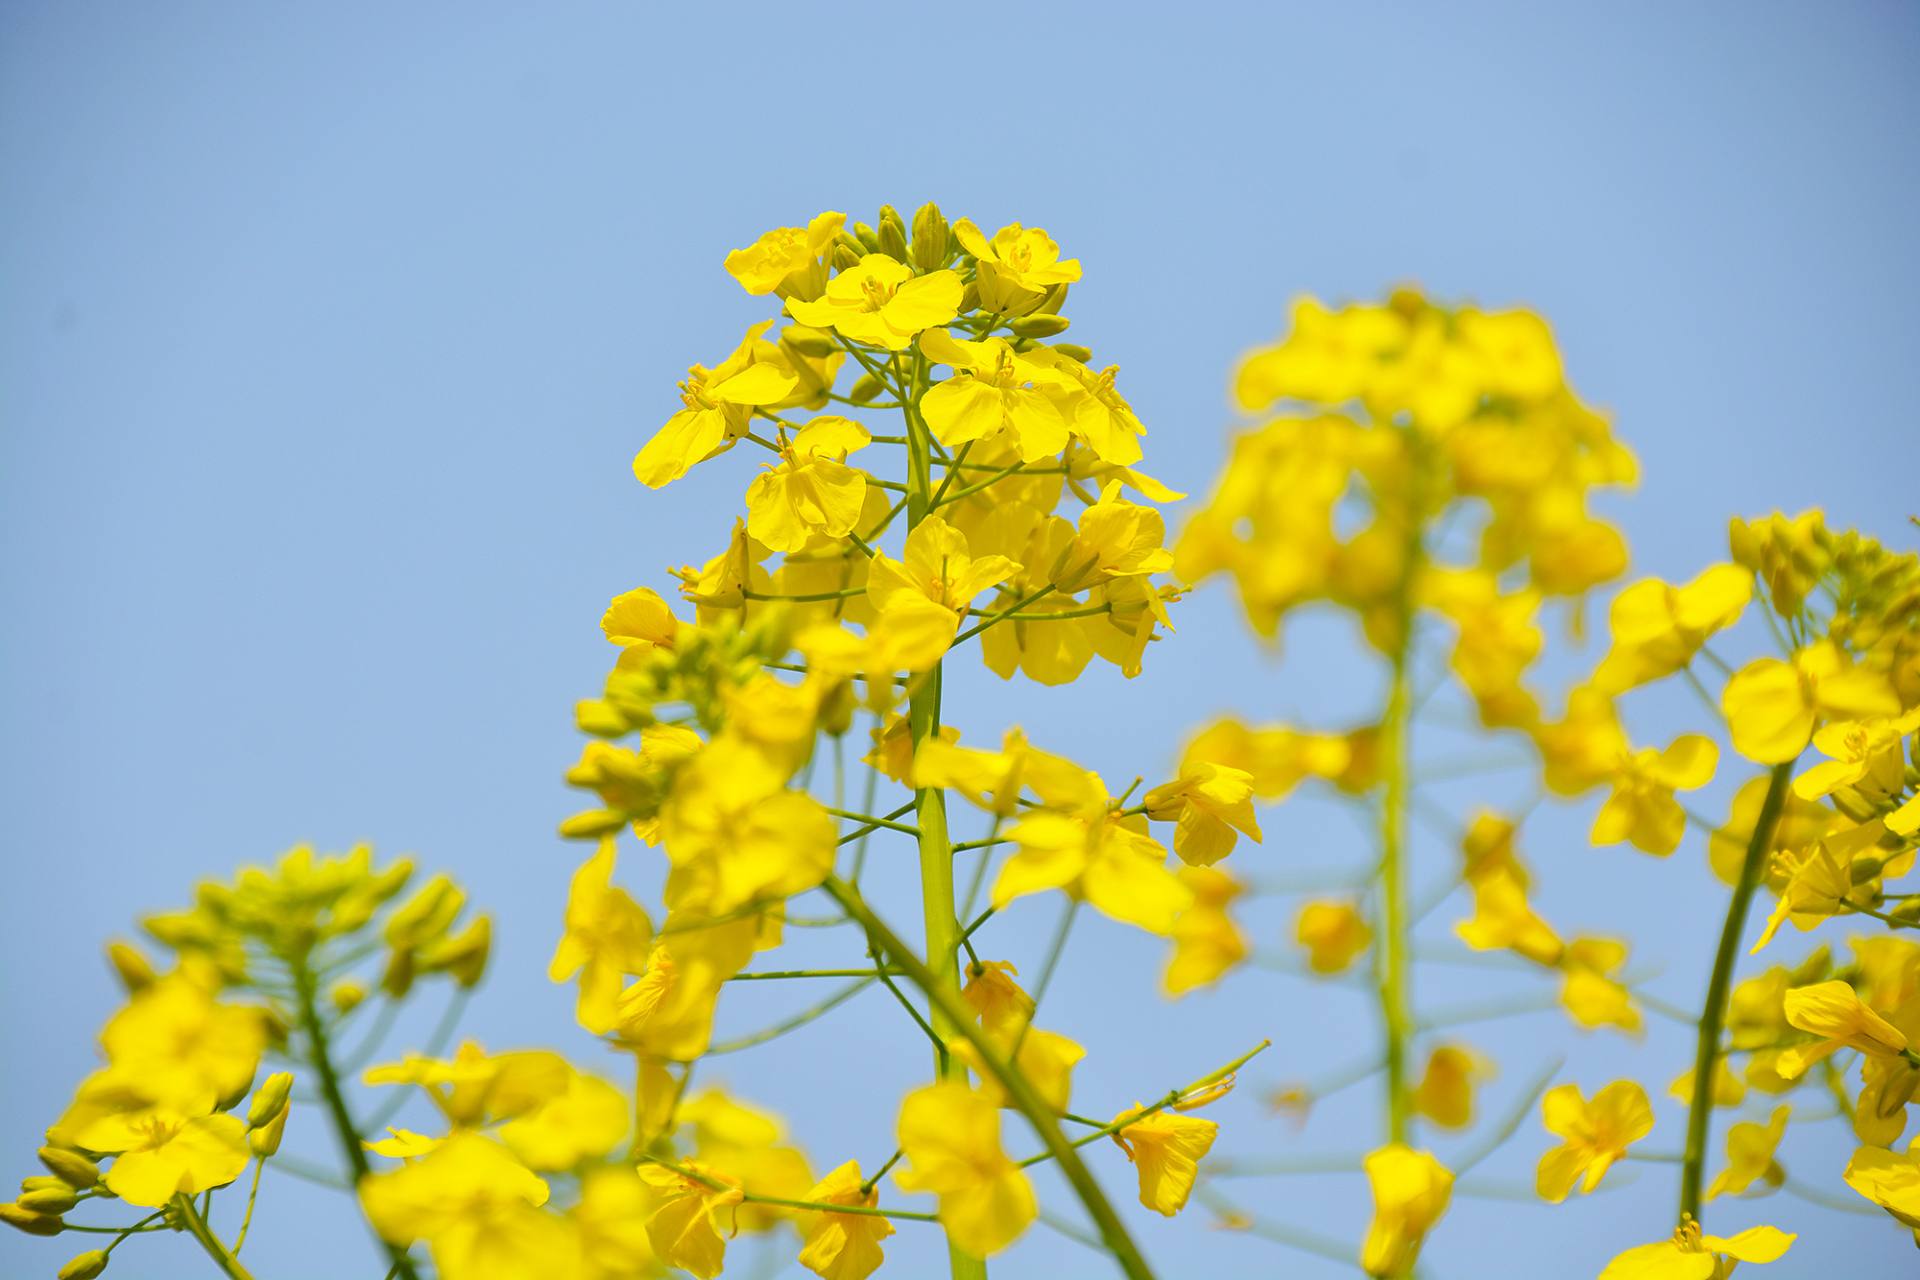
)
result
[(327, 334)]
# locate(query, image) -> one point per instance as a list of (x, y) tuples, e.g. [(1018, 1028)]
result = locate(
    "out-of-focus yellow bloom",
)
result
[(1891, 1181), (811, 490), (1504, 921), (160, 1156), (585, 1121), (735, 834), (1834, 1012), (881, 303), (1275, 758), (693, 1217), (1445, 1092), (1334, 934), (1729, 1090), (1093, 853), (1750, 1149), (1166, 1149), (1657, 628), (1016, 267), (478, 1209), (994, 389), (719, 405), (1411, 1191), (1207, 944), (607, 936), (750, 1145), (1595, 1134), (843, 1246), (668, 1011), (1789, 554), (1046, 1058), (179, 1041), (788, 260), (950, 1139), (1583, 748), (1329, 357), (476, 1088), (1772, 707), (1642, 808), (611, 1222), (1689, 1255), (1591, 991), (1801, 822), (402, 1144), (1208, 803)]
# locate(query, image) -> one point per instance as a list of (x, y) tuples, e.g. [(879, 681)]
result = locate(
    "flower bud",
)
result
[(891, 237), (592, 824), (464, 955), (54, 1199), (970, 297), (346, 995), (265, 1140), (1038, 326), (867, 238), (270, 1099), (865, 389), (70, 1167), (931, 238), (397, 978), (1074, 351), (808, 342), (85, 1266), (34, 1224), (1055, 299), (845, 258), (131, 965)]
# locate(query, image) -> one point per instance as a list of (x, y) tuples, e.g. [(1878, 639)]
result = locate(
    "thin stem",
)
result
[(1018, 1089), (1001, 616), (874, 1181), (1054, 950), (197, 1227), (253, 1193), (765, 975), (1511, 1122), (344, 1129), (1170, 1098), (1706, 1058), (874, 824), (817, 1206)]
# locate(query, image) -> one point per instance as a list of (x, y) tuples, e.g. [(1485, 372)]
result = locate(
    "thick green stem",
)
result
[(320, 1058), (930, 803), (1706, 1056), (947, 1006), (197, 1228), (1395, 1015)]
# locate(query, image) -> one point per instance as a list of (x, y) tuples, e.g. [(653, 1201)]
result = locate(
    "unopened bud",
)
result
[(85, 1266), (55, 1199), (426, 914), (346, 995), (270, 1099), (865, 388), (1038, 326), (931, 237), (34, 1224), (845, 258), (970, 297), (593, 716), (1865, 868), (70, 1167), (1907, 912), (808, 342), (891, 237), (592, 824), (265, 1140), (867, 237), (1055, 299), (1074, 351), (397, 978), (464, 955), (131, 965)]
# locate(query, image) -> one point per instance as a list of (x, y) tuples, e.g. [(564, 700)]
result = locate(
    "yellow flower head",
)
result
[(1166, 1149), (1411, 1191), (693, 1216), (811, 491), (1750, 1149), (1016, 267), (843, 1246), (1596, 1133), (1689, 1255), (718, 405), (881, 303), (607, 936), (1209, 803), (1834, 1012), (1334, 934), (788, 261), (161, 1156), (950, 1139), (995, 389), (1773, 707), (1642, 808), (1658, 628)]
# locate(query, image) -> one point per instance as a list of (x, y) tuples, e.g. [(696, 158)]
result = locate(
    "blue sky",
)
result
[(328, 334)]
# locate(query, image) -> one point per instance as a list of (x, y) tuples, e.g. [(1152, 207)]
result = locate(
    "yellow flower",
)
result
[(1729, 1090), (1166, 1149), (1591, 993), (640, 622), (607, 936), (750, 1145), (584, 1122), (1772, 707), (478, 1209), (1690, 1255), (1334, 933), (161, 1156), (1046, 1058), (476, 1087), (1209, 802), (179, 1041), (843, 1246), (1596, 1134), (1583, 748), (611, 1220), (994, 389), (1834, 1012), (692, 1218), (937, 567), (1094, 854), (811, 490), (719, 403), (734, 834), (1504, 921), (1102, 417), (1750, 1149), (1818, 884), (668, 1011), (1863, 754), (1642, 808), (1445, 1092), (1411, 1190), (1658, 628), (1890, 1181), (1115, 539), (788, 260), (1016, 267), (1328, 358), (1206, 941), (950, 1139), (881, 303)]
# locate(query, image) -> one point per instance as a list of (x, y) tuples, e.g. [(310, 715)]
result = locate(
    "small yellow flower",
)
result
[(1411, 1191), (811, 491), (1445, 1092), (1207, 944), (995, 389), (161, 1156), (843, 1246), (693, 1217), (1657, 628), (584, 1122), (1750, 1149), (1889, 1180), (1689, 1255), (881, 303), (1773, 707), (1834, 1012), (719, 403), (1016, 267), (1166, 1149), (950, 1137), (787, 260), (477, 1208), (1209, 803), (1334, 934), (1596, 1134), (607, 937), (1642, 808)]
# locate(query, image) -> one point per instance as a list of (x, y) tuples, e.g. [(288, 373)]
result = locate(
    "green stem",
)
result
[(1706, 1058), (946, 1001), (197, 1228), (344, 1130), (253, 1194), (1392, 968)]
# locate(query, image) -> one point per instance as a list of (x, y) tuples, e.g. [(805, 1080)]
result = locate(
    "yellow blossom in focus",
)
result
[(843, 1246), (1689, 1255), (786, 259), (1596, 1133), (692, 1218), (1165, 1149), (993, 390), (1095, 854), (950, 1139), (811, 490), (1835, 1013), (1773, 707), (1889, 1180), (1016, 267), (1861, 754), (719, 403), (881, 303), (1411, 1191), (1209, 803)]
